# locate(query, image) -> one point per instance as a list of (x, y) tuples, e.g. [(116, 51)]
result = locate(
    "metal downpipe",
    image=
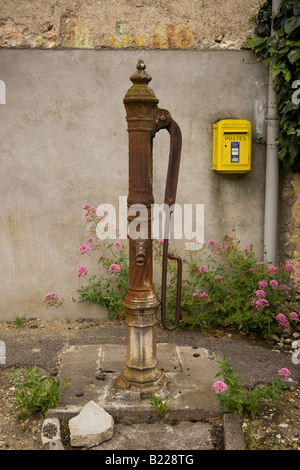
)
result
[(272, 169)]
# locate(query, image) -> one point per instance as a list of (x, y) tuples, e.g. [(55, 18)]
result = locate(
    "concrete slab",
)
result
[(183, 436), (92, 371)]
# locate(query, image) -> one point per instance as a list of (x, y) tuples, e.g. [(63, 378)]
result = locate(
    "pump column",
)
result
[(140, 302)]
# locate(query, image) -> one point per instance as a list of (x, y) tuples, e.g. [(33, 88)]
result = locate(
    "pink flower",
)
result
[(282, 287), (260, 293), (218, 278), (297, 279), (211, 242), (52, 299), (84, 249), (282, 321), (203, 295), (284, 373), (289, 267), (160, 242), (90, 239), (86, 207), (203, 269), (219, 387), (82, 271), (246, 250), (274, 284), (263, 284), (273, 270), (115, 268), (294, 316), (117, 244), (259, 303)]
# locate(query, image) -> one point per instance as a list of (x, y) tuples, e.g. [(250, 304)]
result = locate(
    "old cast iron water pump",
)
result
[(144, 119)]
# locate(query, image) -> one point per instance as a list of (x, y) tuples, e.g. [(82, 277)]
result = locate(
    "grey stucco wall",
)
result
[(64, 143)]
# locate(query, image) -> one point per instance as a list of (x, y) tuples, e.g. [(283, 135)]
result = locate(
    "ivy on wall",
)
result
[(281, 51)]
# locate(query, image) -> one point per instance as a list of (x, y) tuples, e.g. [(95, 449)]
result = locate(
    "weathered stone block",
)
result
[(91, 426)]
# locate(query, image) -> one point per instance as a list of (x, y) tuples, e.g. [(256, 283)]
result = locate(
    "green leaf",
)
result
[(291, 24), (287, 75), (294, 55), (257, 41)]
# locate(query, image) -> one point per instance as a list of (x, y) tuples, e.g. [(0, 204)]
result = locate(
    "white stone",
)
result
[(91, 426)]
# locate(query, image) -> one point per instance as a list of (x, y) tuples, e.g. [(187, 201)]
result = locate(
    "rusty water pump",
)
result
[(144, 120)]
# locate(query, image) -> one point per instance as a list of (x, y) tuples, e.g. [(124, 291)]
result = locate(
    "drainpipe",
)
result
[(272, 168)]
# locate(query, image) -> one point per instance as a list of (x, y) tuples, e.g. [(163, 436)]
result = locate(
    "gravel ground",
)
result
[(41, 343)]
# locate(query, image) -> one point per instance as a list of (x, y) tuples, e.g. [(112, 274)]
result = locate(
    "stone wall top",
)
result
[(119, 24)]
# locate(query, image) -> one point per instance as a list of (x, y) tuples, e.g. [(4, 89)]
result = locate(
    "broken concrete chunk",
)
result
[(91, 426)]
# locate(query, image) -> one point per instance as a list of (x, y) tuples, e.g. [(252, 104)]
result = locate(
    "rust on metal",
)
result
[(144, 120)]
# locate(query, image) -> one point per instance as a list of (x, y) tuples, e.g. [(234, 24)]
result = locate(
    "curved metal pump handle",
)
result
[(165, 121)]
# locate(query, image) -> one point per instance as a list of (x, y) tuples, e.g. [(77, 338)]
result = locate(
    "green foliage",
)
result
[(106, 289), (224, 285), (160, 407), (34, 392), (236, 398), (281, 51), (19, 322)]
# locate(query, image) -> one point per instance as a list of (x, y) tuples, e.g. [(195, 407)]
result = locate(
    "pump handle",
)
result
[(164, 120)]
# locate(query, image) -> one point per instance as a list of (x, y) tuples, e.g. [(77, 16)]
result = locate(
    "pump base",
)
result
[(137, 382)]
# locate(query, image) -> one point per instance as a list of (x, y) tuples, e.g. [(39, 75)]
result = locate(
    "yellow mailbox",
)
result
[(232, 146)]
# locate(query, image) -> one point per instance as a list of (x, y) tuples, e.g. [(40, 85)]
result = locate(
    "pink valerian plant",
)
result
[(261, 263), (201, 295), (284, 374), (52, 300), (203, 269), (262, 284), (294, 316), (282, 321), (274, 284), (289, 267), (115, 268), (117, 244), (283, 287), (84, 249), (260, 293), (220, 386), (272, 270), (82, 271), (259, 304)]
